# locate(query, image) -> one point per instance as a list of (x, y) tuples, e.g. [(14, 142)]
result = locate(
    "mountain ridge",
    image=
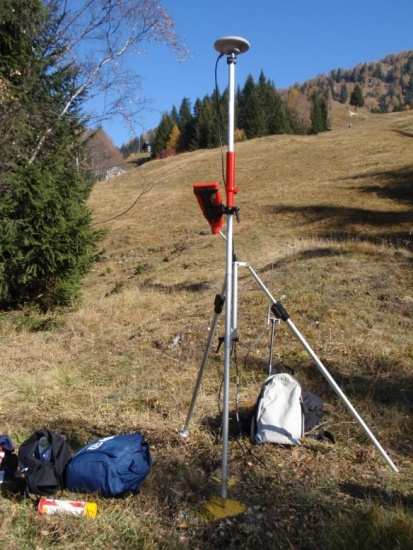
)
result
[(387, 84)]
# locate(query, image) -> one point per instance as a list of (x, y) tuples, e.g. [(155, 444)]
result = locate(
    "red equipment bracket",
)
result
[(210, 201)]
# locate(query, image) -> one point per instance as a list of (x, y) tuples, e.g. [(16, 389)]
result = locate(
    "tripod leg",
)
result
[(218, 305), (271, 346), (283, 315)]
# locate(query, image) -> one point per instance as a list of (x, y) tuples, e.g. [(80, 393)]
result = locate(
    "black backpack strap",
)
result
[(61, 455), (27, 460)]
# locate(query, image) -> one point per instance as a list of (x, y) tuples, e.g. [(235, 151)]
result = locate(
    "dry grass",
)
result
[(327, 221)]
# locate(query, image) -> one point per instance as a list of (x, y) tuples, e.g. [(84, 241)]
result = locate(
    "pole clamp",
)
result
[(219, 303), (233, 210), (279, 311), (232, 58)]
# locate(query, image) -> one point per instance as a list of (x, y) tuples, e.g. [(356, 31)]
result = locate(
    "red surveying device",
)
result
[(210, 201)]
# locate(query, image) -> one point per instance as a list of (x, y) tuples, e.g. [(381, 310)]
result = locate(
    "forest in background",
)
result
[(261, 111), (383, 86)]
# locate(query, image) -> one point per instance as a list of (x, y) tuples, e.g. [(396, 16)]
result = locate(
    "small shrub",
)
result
[(141, 268)]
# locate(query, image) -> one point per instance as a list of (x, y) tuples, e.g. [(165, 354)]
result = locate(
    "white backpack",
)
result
[(279, 414)]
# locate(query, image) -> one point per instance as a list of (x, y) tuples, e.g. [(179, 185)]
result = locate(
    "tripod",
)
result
[(232, 47)]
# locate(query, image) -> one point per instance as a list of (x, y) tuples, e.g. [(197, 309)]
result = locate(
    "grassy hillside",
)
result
[(327, 222)]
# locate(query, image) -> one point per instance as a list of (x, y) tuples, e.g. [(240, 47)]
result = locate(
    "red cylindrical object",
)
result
[(73, 507), (230, 183)]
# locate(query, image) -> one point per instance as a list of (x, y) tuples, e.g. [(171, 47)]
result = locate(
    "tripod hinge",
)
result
[(221, 340), (279, 311)]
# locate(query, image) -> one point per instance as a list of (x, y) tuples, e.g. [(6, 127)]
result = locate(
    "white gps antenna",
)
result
[(232, 44)]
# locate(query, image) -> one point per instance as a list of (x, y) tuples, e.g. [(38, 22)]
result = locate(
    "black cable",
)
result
[(220, 126), (220, 121), (126, 210)]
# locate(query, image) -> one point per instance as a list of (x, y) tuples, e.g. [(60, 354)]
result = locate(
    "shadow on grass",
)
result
[(77, 432), (404, 133), (391, 392), (338, 221), (342, 215), (376, 494), (385, 385), (282, 512), (179, 287), (396, 185), (239, 425), (401, 239), (393, 184), (140, 161), (279, 514), (318, 252)]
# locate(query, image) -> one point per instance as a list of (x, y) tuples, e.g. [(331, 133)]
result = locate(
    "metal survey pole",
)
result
[(231, 59), (231, 47)]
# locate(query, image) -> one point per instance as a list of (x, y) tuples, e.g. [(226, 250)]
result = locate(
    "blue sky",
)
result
[(291, 41)]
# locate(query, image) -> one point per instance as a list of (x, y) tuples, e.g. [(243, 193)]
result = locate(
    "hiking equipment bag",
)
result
[(8, 464), (313, 410), (278, 416), (111, 466), (42, 459)]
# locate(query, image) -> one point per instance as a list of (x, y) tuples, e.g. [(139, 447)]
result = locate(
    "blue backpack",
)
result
[(111, 466)]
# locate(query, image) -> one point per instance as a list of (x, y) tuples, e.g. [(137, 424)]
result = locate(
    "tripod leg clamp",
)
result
[(279, 311), (220, 342), (219, 303)]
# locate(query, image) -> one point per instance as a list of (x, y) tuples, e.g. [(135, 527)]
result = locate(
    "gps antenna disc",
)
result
[(232, 44)]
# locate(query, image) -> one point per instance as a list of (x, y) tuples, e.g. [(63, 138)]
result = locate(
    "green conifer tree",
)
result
[(343, 93), (378, 71), (185, 125), (162, 135), (356, 98), (317, 115), (324, 114), (195, 134), (382, 104), (208, 124), (251, 115), (174, 116), (409, 93), (46, 241), (265, 94)]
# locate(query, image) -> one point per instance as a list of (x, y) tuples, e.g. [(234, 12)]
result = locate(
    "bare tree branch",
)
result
[(96, 37)]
